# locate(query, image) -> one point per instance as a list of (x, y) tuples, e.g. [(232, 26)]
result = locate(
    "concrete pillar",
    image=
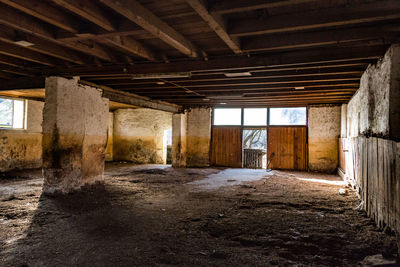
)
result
[(191, 134), (75, 124), (179, 145)]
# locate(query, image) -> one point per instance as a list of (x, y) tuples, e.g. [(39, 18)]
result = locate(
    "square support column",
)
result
[(75, 125), (191, 135)]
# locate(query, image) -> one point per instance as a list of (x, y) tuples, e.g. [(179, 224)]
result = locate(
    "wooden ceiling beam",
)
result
[(45, 47), (25, 54), (354, 72), (290, 86), (235, 6), (259, 81), (94, 14), (89, 11), (29, 25), (45, 12), (237, 63), (131, 46), (137, 13), (321, 38), (310, 20), (217, 23)]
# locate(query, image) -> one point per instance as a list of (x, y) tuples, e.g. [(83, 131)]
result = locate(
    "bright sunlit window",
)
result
[(12, 113), (288, 116), (227, 116), (255, 116)]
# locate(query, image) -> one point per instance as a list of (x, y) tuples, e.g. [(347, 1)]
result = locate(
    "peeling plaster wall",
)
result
[(323, 132), (75, 125), (198, 137), (139, 135), (22, 149), (374, 109), (191, 133), (110, 139), (179, 145)]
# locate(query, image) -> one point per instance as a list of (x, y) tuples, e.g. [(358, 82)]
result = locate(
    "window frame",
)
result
[(227, 125), (24, 119), (258, 126), (288, 125)]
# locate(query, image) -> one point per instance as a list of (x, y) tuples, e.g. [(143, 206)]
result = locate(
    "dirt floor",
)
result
[(150, 215)]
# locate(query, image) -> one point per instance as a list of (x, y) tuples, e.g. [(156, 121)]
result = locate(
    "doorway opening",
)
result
[(255, 148)]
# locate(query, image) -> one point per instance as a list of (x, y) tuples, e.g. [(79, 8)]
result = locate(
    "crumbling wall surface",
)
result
[(22, 149), (179, 145), (110, 139), (394, 105), (323, 132), (139, 135), (74, 135), (373, 110), (198, 137)]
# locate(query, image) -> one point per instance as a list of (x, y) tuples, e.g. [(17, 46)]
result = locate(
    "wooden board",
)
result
[(227, 147), (289, 145)]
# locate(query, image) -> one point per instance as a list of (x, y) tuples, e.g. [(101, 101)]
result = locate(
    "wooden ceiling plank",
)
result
[(238, 63), (45, 12), (132, 46), (29, 25), (137, 13), (321, 38), (25, 54), (216, 23), (94, 14), (89, 11), (235, 6), (309, 20)]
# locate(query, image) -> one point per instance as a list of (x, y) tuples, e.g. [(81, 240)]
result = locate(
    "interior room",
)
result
[(200, 133)]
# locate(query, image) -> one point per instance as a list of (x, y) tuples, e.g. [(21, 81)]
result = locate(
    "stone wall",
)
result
[(75, 125), (139, 134), (22, 149), (374, 109), (323, 134)]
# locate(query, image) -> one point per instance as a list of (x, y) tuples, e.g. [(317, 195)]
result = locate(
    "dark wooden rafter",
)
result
[(236, 6), (34, 27), (137, 13), (236, 63), (96, 15), (217, 23), (318, 19)]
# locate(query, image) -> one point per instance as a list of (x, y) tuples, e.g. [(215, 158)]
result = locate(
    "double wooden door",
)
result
[(289, 144)]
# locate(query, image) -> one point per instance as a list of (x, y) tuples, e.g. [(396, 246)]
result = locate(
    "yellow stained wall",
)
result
[(139, 135), (323, 133), (22, 149)]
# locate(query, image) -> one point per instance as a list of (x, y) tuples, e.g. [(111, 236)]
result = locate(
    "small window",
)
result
[(227, 116), (255, 116), (288, 116), (12, 113)]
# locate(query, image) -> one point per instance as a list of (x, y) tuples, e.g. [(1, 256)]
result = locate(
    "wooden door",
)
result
[(227, 147), (289, 144)]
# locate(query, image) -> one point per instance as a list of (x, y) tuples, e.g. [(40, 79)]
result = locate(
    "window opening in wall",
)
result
[(12, 113), (255, 116), (227, 116), (288, 116)]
